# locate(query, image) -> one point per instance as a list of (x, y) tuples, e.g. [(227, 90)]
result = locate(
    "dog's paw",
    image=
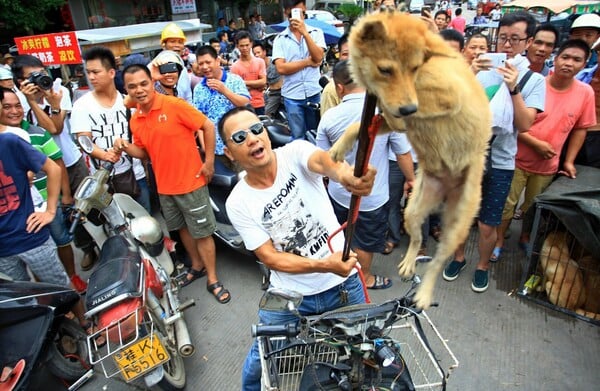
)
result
[(406, 268), (338, 152), (423, 298)]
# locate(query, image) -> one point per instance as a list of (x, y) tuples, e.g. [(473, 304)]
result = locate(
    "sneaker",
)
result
[(79, 285), (88, 260), (480, 281), (422, 251), (453, 269)]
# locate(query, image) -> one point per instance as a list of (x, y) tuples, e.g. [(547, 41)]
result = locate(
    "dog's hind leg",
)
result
[(461, 206), (425, 198)]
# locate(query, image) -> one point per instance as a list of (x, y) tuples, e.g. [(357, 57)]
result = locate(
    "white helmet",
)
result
[(587, 21), (147, 231)]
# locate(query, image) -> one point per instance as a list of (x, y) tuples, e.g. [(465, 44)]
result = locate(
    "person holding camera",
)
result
[(48, 108), (166, 69)]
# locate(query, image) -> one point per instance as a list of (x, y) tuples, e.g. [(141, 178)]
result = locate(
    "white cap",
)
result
[(587, 21)]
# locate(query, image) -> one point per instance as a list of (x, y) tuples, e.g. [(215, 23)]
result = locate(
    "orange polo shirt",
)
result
[(168, 134)]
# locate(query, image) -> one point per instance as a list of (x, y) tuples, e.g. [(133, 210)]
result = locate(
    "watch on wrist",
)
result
[(55, 111), (515, 90)]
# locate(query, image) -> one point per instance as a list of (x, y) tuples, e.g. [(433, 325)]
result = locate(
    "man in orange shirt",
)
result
[(164, 129)]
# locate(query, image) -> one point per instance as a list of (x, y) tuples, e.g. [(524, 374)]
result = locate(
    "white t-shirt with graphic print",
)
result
[(295, 213)]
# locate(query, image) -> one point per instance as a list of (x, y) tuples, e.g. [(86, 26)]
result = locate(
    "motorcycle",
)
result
[(359, 347), (223, 181), (38, 340), (131, 295)]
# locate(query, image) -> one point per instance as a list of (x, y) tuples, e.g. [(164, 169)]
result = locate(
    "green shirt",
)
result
[(43, 142)]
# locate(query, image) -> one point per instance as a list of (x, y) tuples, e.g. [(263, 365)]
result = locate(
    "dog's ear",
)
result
[(372, 31)]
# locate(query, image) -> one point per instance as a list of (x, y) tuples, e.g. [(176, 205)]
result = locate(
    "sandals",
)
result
[(89, 328), (196, 274), (212, 288), (389, 247), (496, 254), (380, 283)]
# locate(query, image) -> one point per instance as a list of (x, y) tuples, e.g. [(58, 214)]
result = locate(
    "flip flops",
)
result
[(496, 254), (380, 283)]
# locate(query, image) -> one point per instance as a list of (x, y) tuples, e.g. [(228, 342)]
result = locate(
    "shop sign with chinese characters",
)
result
[(51, 49)]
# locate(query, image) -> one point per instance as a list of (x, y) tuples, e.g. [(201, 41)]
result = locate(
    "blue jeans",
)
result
[(311, 305), (395, 218), (396, 183), (144, 198), (301, 117)]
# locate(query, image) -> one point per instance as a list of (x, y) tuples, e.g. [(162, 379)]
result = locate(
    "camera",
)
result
[(41, 80), (169, 67)]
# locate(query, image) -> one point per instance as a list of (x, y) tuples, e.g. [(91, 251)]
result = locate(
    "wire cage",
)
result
[(560, 273), (282, 371)]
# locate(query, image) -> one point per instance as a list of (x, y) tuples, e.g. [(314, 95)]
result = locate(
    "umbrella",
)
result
[(330, 33), (554, 6)]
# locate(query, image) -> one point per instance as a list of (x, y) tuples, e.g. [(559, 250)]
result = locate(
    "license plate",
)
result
[(141, 357)]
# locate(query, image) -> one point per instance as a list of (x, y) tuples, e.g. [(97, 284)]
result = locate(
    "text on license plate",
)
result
[(141, 357)]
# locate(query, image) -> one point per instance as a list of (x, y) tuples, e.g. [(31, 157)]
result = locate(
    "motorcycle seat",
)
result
[(117, 276), (223, 176)]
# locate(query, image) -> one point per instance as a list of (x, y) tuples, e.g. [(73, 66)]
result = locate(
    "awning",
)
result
[(137, 38)]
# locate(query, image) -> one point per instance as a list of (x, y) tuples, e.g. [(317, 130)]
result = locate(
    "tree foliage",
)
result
[(27, 15)]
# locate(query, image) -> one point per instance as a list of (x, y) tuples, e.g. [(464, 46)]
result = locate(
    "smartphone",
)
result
[(297, 13), (426, 11), (497, 59), (169, 67)]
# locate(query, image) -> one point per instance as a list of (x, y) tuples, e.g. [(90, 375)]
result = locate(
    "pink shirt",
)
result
[(252, 71), (459, 23), (564, 111)]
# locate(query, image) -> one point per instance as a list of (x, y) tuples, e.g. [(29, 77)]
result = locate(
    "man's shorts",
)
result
[(192, 210), (59, 229), (43, 262), (370, 229), (494, 190)]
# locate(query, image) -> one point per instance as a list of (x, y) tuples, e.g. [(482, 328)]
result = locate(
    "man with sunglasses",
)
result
[(297, 54), (282, 211), (164, 129)]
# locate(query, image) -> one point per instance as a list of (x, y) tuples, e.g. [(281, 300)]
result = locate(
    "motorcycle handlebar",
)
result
[(75, 222), (277, 330)]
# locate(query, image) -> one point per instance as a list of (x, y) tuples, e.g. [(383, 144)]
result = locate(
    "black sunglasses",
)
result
[(240, 136)]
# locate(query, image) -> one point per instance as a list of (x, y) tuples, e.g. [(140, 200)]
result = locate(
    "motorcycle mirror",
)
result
[(276, 299), (86, 143)]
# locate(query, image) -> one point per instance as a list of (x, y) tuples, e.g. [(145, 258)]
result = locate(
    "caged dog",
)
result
[(426, 89)]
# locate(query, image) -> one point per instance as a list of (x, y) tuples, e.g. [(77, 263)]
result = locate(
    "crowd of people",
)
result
[(281, 208)]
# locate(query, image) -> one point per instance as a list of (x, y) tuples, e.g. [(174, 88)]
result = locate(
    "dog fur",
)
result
[(563, 280), (410, 68)]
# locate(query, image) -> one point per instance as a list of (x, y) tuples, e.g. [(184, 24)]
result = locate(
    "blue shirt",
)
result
[(16, 158), (214, 104), (331, 127), (304, 83)]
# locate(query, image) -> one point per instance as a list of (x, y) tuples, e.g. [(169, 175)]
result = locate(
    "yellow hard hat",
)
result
[(172, 31)]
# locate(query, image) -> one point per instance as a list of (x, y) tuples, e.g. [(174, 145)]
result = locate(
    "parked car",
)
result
[(332, 6), (327, 17), (416, 5), (472, 4)]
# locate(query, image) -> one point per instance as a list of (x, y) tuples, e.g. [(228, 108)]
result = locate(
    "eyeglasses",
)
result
[(514, 41), (240, 136)]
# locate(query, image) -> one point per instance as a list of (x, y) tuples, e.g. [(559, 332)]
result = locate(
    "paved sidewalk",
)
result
[(502, 341)]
